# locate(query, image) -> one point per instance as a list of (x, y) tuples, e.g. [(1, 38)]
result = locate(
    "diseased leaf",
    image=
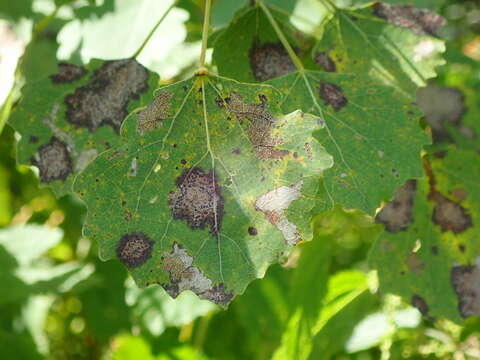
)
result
[(372, 132), (210, 185), (432, 259), (392, 44), (68, 118), (373, 135)]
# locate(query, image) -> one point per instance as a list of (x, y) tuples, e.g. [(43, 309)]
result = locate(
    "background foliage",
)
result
[(343, 295)]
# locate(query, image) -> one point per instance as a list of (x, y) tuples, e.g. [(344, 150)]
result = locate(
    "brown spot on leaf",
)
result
[(153, 115), (450, 215), (324, 60), (420, 304), (333, 95), (442, 107), (415, 265), (420, 21), (53, 161), (466, 283), (33, 140), (104, 99), (269, 60), (397, 215), (236, 151), (68, 73), (197, 200), (134, 249), (252, 231), (184, 276), (261, 123)]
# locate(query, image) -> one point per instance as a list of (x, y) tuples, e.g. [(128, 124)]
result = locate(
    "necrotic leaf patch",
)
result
[(53, 161), (134, 249), (450, 215), (397, 215), (68, 73), (269, 60), (466, 283), (323, 59), (153, 115), (333, 95), (420, 21), (198, 200), (104, 99)]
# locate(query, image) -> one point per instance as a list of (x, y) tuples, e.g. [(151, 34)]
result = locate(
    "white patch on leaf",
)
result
[(274, 203)]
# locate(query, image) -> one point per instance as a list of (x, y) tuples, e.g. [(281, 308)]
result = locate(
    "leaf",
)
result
[(367, 123), (391, 44), (429, 252), (68, 118), (210, 186)]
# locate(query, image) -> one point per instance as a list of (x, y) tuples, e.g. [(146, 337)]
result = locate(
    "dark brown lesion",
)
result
[(198, 200), (153, 115), (419, 21), (466, 284), (68, 73), (323, 59), (269, 60), (332, 95), (134, 249), (104, 99), (53, 161), (397, 214), (260, 125)]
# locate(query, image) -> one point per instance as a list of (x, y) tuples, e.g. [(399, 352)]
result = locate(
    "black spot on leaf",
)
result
[(104, 99), (53, 161), (333, 95), (269, 60), (420, 304), (419, 21), (68, 73), (33, 140), (198, 200), (134, 249), (466, 283), (252, 231), (397, 215)]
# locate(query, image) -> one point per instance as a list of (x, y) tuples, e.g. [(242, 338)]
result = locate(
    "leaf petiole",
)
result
[(206, 23)]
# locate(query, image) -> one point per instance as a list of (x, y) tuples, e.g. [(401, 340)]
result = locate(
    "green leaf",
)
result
[(210, 186), (368, 129), (367, 123), (429, 252), (393, 46), (68, 118)]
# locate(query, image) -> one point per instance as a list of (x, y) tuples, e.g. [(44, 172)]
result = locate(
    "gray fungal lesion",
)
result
[(104, 99), (68, 73), (53, 161), (153, 115), (419, 21), (397, 214), (134, 249), (466, 284), (333, 95), (269, 60), (183, 275), (260, 122), (198, 200)]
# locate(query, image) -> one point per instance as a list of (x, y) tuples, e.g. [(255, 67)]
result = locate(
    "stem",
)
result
[(150, 34), (206, 24), (283, 39)]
